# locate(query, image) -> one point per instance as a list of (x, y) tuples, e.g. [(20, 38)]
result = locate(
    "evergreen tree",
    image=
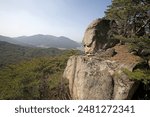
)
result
[(133, 20), (132, 16)]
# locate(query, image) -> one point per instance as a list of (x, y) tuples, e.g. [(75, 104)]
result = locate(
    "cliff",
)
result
[(99, 74)]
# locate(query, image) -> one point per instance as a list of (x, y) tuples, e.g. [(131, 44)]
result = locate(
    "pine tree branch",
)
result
[(139, 30)]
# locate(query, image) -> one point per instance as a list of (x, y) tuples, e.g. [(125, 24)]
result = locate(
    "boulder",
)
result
[(99, 35), (94, 78)]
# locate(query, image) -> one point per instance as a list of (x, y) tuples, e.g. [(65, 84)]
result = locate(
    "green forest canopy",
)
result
[(38, 78), (133, 20)]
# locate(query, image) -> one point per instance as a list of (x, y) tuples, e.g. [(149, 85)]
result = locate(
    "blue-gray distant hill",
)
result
[(12, 41), (48, 41), (44, 41)]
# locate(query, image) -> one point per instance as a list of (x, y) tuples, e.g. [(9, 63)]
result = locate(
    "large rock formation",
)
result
[(99, 35), (100, 73)]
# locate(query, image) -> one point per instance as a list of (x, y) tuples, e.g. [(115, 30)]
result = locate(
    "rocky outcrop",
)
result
[(100, 73), (98, 78), (99, 35)]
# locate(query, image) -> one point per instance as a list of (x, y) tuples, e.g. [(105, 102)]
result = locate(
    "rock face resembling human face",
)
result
[(89, 42), (94, 34), (98, 36)]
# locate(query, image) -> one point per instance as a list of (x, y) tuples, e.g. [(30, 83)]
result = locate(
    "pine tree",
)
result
[(133, 20), (132, 16)]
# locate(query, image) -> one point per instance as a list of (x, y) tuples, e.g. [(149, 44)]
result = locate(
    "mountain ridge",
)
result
[(47, 41), (44, 41), (12, 41)]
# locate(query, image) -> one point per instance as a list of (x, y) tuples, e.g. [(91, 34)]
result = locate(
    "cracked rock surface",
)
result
[(99, 74)]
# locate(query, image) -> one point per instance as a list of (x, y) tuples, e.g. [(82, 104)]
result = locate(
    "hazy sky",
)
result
[(53, 17)]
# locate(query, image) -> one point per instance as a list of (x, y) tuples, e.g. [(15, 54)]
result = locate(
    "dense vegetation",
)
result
[(38, 78), (133, 20), (32, 73)]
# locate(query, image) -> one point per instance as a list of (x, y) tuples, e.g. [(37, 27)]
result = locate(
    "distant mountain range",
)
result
[(44, 41), (12, 41)]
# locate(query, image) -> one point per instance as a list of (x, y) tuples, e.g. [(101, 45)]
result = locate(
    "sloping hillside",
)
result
[(38, 78), (11, 53)]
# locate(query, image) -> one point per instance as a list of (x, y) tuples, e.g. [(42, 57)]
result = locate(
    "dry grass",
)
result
[(123, 55)]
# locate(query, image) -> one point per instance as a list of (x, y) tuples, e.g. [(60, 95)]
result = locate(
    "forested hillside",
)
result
[(11, 53), (37, 78), (32, 73)]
